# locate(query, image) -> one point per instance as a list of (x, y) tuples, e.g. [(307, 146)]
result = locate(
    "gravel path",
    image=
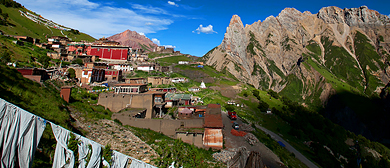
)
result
[(234, 142), (298, 154), (120, 138)]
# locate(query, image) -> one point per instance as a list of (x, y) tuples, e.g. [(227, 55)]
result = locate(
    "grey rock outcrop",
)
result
[(265, 53)]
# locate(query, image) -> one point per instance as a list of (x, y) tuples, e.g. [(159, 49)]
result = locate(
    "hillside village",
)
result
[(107, 64), (135, 101), (161, 107)]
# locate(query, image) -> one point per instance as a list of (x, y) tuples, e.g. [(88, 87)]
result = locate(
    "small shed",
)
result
[(66, 92), (185, 113)]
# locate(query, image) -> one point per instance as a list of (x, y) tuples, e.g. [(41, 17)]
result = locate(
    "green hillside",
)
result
[(296, 123), (22, 26), (27, 55)]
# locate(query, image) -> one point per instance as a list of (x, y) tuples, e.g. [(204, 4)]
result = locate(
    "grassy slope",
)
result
[(172, 60), (44, 100), (26, 55), (337, 77), (341, 64), (22, 26), (369, 60)]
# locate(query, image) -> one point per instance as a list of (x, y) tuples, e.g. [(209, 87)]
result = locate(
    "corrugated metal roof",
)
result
[(213, 138), (174, 96)]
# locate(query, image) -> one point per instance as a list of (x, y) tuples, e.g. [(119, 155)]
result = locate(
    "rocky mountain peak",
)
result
[(133, 39), (236, 21), (360, 17), (265, 53)]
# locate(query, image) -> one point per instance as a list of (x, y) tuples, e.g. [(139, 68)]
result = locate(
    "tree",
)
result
[(78, 61), (256, 93), (74, 31), (44, 60), (229, 107), (263, 106), (71, 73), (273, 94), (5, 57)]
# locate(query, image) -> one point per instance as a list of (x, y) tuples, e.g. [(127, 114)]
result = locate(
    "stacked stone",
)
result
[(247, 127), (120, 139), (251, 139), (224, 156)]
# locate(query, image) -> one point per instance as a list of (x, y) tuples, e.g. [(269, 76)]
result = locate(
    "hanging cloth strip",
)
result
[(95, 156), (139, 164), (119, 160), (20, 132), (83, 150), (63, 156)]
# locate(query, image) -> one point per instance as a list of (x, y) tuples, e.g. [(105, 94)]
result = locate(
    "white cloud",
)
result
[(149, 9), (99, 19), (156, 41), (141, 33), (169, 46), (172, 3), (207, 30)]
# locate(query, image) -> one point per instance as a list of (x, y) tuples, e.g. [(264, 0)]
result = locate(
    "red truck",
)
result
[(232, 115)]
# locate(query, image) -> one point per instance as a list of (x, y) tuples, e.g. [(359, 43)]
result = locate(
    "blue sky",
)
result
[(190, 26)]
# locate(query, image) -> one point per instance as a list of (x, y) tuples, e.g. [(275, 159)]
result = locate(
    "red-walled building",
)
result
[(77, 48), (113, 75), (109, 52)]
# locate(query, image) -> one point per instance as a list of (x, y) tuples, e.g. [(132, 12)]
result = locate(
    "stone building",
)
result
[(134, 96)]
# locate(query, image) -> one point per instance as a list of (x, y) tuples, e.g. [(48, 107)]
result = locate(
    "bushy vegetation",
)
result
[(293, 89), (315, 48), (307, 125), (171, 150), (10, 3), (44, 100), (368, 59), (27, 55), (342, 65), (254, 43), (285, 156)]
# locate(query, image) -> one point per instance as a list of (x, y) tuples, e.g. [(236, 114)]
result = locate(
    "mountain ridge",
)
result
[(281, 42), (336, 62), (134, 40)]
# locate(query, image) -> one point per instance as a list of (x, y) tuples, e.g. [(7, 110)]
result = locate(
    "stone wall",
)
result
[(117, 102), (167, 127), (191, 138)]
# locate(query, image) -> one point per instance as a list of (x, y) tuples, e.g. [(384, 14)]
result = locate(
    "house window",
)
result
[(157, 99)]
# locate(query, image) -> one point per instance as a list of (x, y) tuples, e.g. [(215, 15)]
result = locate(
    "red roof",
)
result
[(213, 106), (213, 121)]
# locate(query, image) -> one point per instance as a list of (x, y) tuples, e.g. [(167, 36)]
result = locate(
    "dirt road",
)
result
[(298, 154), (269, 158)]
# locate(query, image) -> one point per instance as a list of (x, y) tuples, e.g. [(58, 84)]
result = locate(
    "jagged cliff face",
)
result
[(134, 40), (309, 55)]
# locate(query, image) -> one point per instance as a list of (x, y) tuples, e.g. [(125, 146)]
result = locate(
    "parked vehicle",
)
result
[(281, 144), (232, 115), (235, 125)]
